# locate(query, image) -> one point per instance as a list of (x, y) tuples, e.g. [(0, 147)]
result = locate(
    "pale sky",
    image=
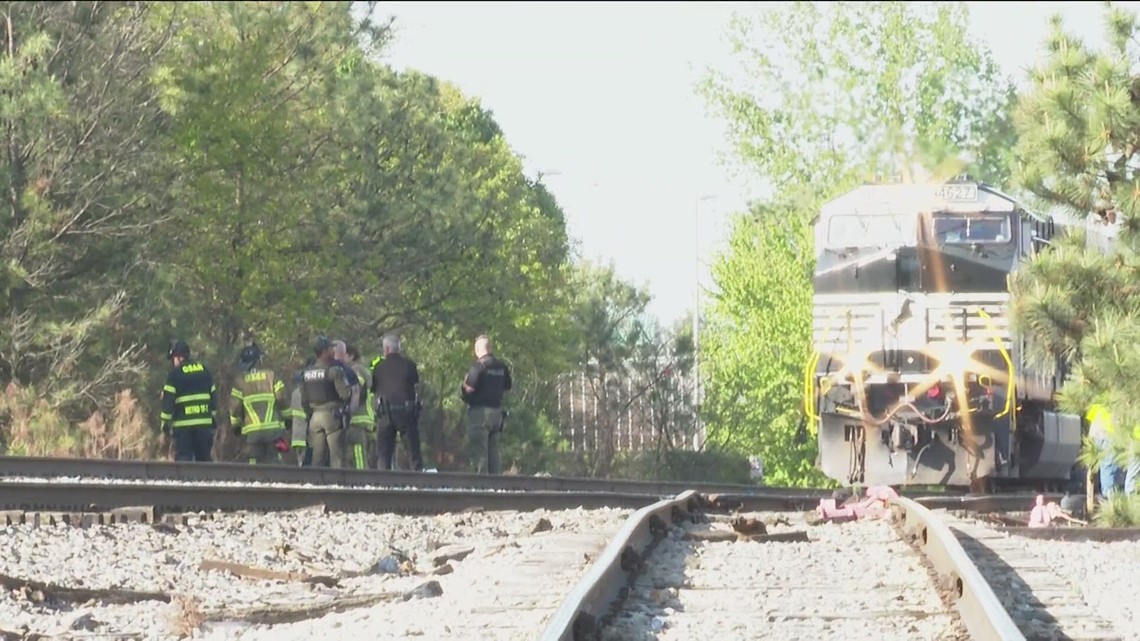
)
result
[(602, 94)]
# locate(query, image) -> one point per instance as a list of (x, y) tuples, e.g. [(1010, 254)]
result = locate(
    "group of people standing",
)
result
[(339, 413)]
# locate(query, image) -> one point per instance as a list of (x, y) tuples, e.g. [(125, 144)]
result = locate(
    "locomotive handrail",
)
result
[(1005, 356)]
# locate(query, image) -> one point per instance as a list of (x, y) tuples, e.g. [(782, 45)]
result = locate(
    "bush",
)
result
[(32, 426)]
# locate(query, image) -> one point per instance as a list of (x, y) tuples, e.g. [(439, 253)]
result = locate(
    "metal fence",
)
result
[(640, 415)]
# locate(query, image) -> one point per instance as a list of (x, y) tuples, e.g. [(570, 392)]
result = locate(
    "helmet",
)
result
[(250, 357), (178, 348), (321, 344)]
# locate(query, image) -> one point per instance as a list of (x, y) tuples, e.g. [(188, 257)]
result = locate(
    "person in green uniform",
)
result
[(324, 392)]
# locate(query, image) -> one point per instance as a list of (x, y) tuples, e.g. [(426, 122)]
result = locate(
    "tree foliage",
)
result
[(1079, 125), (226, 171), (822, 99), (758, 340)]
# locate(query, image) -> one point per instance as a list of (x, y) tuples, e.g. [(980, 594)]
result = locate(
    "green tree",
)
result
[(1079, 304), (821, 100), (759, 339), (79, 139)]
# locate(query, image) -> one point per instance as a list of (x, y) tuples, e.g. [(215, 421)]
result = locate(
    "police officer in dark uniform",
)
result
[(324, 394), (189, 406), (483, 389), (394, 384)]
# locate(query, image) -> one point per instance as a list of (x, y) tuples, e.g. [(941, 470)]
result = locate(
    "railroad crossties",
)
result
[(774, 576), (1055, 589), (299, 575)]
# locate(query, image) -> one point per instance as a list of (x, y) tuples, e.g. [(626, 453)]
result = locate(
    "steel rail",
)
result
[(72, 497), (983, 615), (135, 470), (35, 467), (100, 497), (581, 614), (1071, 534)]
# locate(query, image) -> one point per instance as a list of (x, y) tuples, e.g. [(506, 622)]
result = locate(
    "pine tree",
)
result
[(1079, 129)]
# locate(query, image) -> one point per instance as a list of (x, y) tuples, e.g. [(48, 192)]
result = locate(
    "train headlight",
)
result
[(955, 357)]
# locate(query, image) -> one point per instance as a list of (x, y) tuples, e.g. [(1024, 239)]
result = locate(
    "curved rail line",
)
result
[(982, 613), (584, 611)]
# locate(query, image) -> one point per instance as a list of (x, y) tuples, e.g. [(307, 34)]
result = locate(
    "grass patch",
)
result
[(1118, 510)]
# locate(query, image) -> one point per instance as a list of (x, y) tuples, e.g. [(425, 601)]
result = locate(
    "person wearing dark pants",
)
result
[(189, 406), (394, 384), (488, 380), (324, 391)]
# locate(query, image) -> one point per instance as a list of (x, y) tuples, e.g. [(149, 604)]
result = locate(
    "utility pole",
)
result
[(699, 431)]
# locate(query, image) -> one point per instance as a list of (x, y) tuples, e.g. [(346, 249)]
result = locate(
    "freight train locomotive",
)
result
[(915, 376)]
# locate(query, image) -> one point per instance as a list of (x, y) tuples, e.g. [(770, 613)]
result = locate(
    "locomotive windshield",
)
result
[(878, 230), (951, 229)]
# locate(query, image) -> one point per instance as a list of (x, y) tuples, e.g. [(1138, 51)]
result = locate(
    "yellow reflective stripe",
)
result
[(252, 461), (192, 397), (236, 393), (300, 443), (213, 389), (358, 454), (192, 422), (278, 387), (166, 416), (169, 388), (260, 427), (269, 400)]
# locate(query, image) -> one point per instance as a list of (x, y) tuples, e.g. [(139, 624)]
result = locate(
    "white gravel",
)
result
[(480, 591), (851, 581), (1107, 574)]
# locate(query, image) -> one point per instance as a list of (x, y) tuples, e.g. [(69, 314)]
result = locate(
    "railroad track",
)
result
[(1042, 603), (619, 570), (30, 468), (131, 470), (809, 582)]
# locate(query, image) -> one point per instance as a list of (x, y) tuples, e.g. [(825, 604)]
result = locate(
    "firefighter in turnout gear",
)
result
[(324, 391), (189, 406), (298, 423), (256, 404), (362, 422), (483, 389)]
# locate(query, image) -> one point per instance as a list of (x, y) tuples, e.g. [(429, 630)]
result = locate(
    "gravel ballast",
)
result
[(485, 575), (849, 581)]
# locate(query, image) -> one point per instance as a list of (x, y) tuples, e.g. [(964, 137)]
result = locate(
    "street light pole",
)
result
[(698, 433)]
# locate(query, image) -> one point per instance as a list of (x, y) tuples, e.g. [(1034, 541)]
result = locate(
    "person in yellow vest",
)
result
[(362, 422), (1101, 431)]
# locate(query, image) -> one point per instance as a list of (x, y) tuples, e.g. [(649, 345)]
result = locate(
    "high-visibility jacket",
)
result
[(1100, 422), (257, 402), (188, 397), (365, 415)]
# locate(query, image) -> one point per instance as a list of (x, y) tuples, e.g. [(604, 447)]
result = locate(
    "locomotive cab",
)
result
[(914, 373)]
